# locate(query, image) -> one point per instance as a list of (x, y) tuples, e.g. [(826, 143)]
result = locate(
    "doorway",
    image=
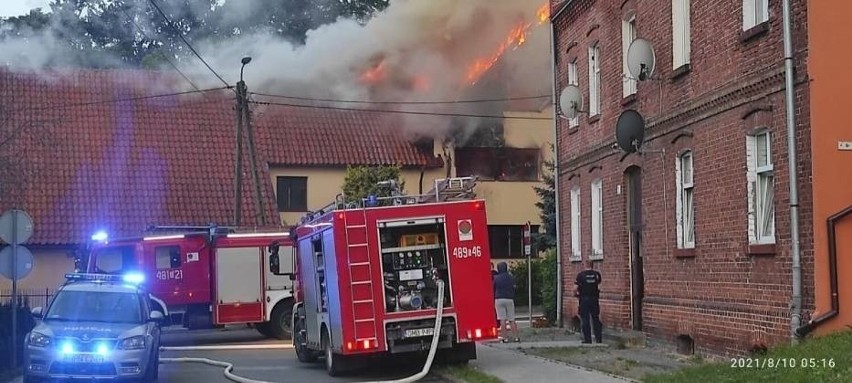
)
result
[(633, 178)]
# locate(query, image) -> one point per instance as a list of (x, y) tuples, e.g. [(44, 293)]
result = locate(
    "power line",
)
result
[(401, 111), (116, 100), (432, 102), (142, 31), (169, 22)]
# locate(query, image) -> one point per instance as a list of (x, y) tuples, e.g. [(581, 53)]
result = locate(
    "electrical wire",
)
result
[(142, 31), (171, 24), (432, 102), (390, 111)]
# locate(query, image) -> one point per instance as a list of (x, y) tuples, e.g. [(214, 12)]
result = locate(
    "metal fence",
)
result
[(28, 297)]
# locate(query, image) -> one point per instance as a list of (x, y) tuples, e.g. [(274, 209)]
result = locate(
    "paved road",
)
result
[(276, 364)]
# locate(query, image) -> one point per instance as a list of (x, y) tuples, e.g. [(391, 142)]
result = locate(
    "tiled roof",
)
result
[(121, 166), (292, 135)]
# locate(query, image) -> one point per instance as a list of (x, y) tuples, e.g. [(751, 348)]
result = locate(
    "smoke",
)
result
[(420, 50)]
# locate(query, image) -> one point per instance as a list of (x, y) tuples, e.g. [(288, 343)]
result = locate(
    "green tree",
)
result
[(547, 208), (362, 181)]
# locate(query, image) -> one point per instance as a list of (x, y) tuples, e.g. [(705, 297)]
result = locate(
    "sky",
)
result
[(20, 7)]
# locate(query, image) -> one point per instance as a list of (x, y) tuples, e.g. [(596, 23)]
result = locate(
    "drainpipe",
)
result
[(556, 171), (832, 275), (796, 304)]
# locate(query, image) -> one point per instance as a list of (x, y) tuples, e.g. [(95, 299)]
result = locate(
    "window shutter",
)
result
[(748, 14), (679, 203)]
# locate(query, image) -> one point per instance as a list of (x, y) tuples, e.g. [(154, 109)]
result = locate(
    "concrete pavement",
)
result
[(504, 361)]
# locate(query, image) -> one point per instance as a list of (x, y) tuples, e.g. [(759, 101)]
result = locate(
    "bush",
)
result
[(26, 322), (548, 280), (519, 272)]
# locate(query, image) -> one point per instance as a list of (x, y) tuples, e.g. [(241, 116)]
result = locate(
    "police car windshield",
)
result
[(95, 306)]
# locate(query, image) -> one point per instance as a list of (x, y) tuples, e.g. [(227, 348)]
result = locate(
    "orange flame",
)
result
[(517, 36), (375, 74)]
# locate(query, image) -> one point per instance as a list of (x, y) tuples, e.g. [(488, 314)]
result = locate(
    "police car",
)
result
[(97, 326)]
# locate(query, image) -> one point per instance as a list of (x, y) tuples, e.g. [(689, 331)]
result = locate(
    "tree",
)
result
[(362, 181), (547, 207)]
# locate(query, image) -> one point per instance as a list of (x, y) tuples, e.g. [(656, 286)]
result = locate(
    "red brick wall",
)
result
[(723, 297)]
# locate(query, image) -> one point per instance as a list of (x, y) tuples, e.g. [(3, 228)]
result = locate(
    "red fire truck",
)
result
[(207, 276), (367, 277)]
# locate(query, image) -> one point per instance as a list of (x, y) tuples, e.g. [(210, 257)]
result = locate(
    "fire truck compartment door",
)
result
[(239, 289)]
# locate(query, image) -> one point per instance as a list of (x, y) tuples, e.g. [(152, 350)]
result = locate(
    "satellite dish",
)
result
[(641, 60), (571, 101), (630, 131)]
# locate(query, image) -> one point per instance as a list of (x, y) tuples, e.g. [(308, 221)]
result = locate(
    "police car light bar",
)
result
[(134, 278)]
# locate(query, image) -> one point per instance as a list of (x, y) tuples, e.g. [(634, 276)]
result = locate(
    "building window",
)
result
[(628, 34), (754, 13), (292, 194), (597, 219), (576, 249), (761, 189), (167, 257), (498, 164), (594, 80), (573, 79), (685, 209), (680, 33), (507, 241)]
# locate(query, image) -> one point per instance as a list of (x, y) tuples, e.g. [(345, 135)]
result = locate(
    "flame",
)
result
[(375, 74), (517, 36)]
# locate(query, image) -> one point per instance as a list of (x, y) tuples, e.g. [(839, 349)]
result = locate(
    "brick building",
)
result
[(692, 236)]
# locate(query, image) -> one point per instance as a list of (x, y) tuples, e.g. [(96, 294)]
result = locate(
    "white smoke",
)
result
[(428, 42)]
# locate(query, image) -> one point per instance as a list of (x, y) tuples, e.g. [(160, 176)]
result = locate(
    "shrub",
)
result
[(519, 271), (26, 322), (548, 280)]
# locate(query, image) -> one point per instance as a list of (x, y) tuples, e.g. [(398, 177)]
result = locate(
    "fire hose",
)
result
[(236, 378)]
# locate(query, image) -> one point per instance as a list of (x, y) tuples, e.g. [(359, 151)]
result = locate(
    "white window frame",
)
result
[(597, 219), (681, 40), (754, 13), (685, 209), (761, 190), (576, 248), (628, 34), (573, 79), (594, 80)]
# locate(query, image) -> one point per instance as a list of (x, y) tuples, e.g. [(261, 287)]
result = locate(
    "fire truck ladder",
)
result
[(360, 276), (451, 189)]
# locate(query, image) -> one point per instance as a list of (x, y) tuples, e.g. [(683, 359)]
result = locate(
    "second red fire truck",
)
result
[(207, 276), (368, 275)]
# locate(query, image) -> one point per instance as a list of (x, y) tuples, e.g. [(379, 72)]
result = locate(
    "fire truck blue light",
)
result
[(134, 278), (100, 236), (67, 348)]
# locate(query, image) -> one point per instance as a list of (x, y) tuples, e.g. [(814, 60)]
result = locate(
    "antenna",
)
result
[(571, 102), (641, 60), (630, 131)]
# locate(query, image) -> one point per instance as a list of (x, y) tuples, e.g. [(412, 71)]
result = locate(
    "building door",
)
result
[(633, 177)]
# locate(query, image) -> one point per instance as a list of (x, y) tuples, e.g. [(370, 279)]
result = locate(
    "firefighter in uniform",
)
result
[(588, 294)]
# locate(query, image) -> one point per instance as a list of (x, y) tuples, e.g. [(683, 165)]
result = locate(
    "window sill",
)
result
[(573, 129), (596, 257), (575, 259), (681, 71), (761, 249), (684, 253), (595, 118), (629, 99), (754, 32)]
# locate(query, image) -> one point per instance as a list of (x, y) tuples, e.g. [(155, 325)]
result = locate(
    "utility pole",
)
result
[(258, 200), (238, 160)]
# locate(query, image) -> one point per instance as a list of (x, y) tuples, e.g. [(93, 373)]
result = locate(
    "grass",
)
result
[(468, 374), (829, 360)]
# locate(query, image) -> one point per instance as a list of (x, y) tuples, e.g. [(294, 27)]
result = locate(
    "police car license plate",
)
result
[(86, 358), (413, 333)]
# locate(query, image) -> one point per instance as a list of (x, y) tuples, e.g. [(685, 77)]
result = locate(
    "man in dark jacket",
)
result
[(587, 291), (504, 300)]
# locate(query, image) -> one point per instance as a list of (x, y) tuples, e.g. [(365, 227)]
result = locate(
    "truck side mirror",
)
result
[(274, 258)]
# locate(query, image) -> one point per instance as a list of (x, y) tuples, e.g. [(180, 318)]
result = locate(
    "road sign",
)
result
[(24, 262), (15, 233), (527, 239)]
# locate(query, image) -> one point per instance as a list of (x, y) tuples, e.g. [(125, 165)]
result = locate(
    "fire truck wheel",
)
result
[(303, 353), (279, 323), (333, 362)]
